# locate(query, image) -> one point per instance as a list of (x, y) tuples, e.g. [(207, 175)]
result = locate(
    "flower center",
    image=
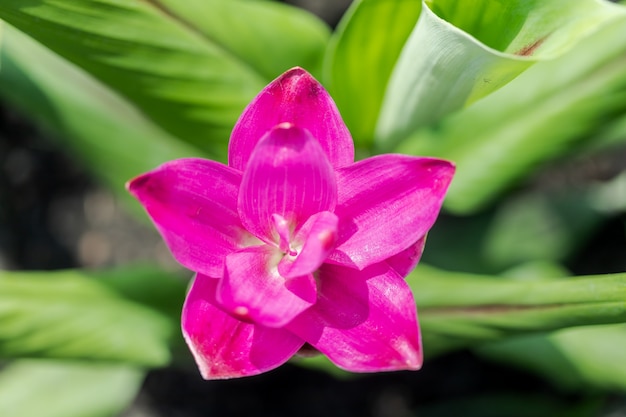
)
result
[(284, 231)]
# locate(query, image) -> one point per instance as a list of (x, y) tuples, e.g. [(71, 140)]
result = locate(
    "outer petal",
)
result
[(288, 175), (386, 204), (225, 347), (314, 241), (294, 97), (364, 321), (193, 203), (253, 290), (404, 262)]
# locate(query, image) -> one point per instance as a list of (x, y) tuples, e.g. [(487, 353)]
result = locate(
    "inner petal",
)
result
[(294, 97), (315, 241), (288, 175), (252, 290), (284, 234)]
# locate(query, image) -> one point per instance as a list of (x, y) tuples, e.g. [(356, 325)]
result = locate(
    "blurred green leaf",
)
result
[(187, 65), (322, 363), (540, 226), (535, 117), (613, 135), (65, 314), (460, 310), (111, 138), (270, 37), (460, 52), (42, 388), (542, 223), (578, 358), (361, 56), (162, 291)]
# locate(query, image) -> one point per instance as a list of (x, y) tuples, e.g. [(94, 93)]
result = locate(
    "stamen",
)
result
[(284, 234)]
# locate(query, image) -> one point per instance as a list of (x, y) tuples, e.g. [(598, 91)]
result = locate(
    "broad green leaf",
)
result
[(271, 37), (496, 141), (530, 226), (543, 223), (541, 226), (361, 56), (322, 363), (162, 291), (66, 314), (461, 51), (109, 136), (44, 388), (611, 137), (572, 358), (191, 79), (461, 310)]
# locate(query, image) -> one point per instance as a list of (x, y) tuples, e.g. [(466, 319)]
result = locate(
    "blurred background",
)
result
[(53, 215)]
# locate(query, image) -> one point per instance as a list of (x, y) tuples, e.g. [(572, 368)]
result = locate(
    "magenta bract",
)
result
[(293, 242)]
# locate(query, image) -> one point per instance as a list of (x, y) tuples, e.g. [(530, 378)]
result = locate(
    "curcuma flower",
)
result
[(295, 244)]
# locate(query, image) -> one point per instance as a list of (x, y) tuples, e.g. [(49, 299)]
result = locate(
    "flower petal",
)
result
[(386, 204), (364, 321), (314, 241), (288, 175), (297, 98), (193, 203), (404, 262), (225, 347), (253, 290)]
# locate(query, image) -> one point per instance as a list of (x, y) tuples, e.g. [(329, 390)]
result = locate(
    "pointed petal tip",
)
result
[(295, 73), (295, 97), (413, 362), (134, 184), (193, 204), (392, 201), (363, 321), (442, 172), (224, 347)]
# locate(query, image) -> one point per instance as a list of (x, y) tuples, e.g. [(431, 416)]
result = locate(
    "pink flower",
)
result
[(293, 242)]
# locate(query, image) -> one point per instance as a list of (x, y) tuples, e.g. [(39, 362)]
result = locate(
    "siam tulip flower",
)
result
[(293, 244)]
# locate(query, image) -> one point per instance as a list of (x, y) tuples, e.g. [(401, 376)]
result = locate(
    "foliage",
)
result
[(506, 90)]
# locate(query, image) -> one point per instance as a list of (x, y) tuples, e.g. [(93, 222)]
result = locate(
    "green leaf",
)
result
[(159, 290), (541, 226), (611, 137), (270, 37), (191, 79), (37, 388), (460, 52), (322, 363), (529, 226), (499, 139), (109, 136), (578, 358), (66, 314), (460, 310), (361, 56)]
